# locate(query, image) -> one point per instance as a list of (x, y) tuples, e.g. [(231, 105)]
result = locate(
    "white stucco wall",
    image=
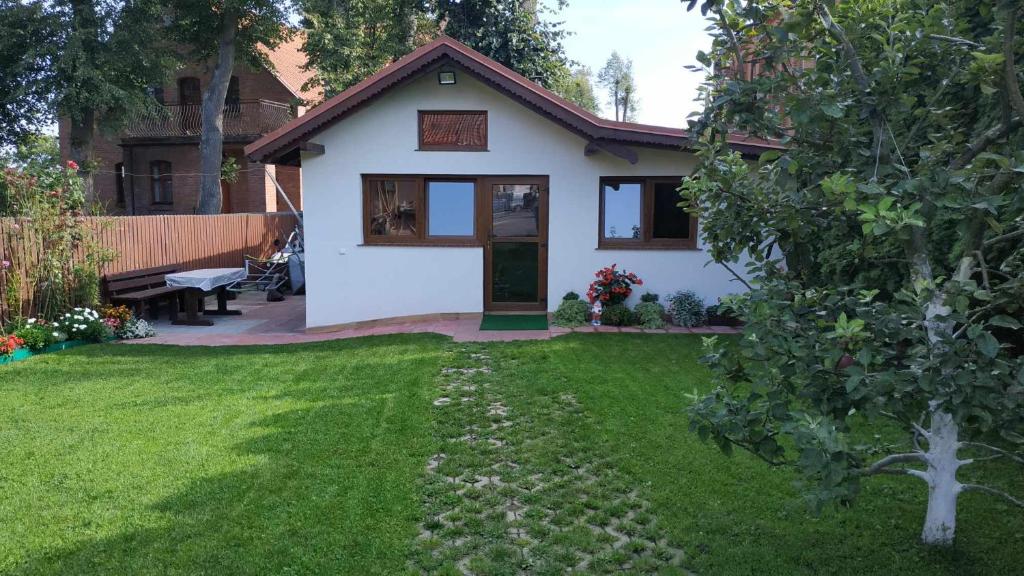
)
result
[(347, 282)]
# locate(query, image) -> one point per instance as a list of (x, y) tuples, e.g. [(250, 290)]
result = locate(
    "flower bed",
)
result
[(25, 353), (75, 328)]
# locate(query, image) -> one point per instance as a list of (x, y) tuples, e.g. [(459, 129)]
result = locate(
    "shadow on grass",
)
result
[(325, 478)]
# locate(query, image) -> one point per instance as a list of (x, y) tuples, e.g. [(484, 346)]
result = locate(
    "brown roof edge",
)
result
[(582, 122)]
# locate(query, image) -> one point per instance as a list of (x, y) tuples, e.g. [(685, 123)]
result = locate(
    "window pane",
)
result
[(670, 221), (450, 208), (622, 206), (515, 210), (392, 207)]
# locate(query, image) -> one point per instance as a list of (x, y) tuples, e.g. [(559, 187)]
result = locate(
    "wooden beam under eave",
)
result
[(312, 148), (617, 150)]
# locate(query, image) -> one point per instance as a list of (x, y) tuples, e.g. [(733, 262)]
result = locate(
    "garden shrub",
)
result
[(135, 328), (86, 289), (36, 336), (571, 313), (617, 315), (82, 324), (650, 314), (687, 309), (570, 295), (649, 297)]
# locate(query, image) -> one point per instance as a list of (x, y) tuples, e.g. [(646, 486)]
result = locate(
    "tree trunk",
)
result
[(943, 487), (85, 29), (211, 140), (80, 151)]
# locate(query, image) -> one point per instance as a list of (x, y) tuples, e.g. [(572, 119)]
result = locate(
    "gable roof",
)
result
[(286, 139), (289, 68)]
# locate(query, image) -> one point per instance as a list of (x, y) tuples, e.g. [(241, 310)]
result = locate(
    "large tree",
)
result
[(617, 79), (222, 32), (88, 61), (885, 242), (508, 31), (577, 86), (347, 40)]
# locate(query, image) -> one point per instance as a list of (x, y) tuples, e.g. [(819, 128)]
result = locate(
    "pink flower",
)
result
[(72, 165), (5, 264)]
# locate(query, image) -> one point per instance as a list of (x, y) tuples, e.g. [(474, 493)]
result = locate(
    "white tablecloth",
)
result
[(206, 279)]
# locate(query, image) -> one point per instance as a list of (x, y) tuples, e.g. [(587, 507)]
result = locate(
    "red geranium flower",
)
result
[(72, 165)]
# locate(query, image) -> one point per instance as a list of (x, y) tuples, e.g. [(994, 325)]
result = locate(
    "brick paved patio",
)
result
[(263, 322)]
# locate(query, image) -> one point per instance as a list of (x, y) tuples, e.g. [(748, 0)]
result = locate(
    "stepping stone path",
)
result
[(511, 492)]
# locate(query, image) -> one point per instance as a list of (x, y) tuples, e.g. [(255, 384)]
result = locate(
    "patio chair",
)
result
[(269, 274)]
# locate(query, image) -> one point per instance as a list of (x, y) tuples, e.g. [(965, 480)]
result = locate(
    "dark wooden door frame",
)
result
[(485, 196)]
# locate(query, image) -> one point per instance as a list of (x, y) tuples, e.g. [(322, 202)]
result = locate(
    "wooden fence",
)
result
[(187, 241)]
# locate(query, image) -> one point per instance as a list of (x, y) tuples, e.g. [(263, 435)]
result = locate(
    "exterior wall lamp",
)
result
[(446, 77)]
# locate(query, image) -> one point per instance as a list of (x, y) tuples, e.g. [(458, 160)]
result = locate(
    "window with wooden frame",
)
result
[(643, 213), (453, 130), (420, 210), (161, 183)]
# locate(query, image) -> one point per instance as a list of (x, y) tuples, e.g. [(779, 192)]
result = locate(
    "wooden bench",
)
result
[(137, 288)]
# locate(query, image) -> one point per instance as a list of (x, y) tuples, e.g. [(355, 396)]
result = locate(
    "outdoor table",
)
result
[(200, 283)]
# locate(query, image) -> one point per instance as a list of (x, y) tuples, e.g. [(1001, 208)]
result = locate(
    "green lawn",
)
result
[(314, 459)]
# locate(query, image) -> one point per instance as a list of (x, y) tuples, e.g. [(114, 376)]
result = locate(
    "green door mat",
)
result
[(514, 322)]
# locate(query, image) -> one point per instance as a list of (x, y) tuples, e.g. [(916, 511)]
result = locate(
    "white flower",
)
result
[(77, 317), (56, 334), (78, 309), (31, 321)]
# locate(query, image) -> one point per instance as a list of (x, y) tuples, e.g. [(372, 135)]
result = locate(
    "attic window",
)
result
[(464, 130)]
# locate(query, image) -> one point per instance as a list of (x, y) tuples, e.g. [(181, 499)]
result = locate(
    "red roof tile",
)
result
[(289, 61)]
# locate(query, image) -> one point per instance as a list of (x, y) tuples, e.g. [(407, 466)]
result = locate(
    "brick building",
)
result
[(153, 165)]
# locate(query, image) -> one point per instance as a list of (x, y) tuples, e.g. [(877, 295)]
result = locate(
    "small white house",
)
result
[(448, 184)]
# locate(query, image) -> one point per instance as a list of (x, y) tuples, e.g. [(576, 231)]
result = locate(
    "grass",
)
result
[(314, 459)]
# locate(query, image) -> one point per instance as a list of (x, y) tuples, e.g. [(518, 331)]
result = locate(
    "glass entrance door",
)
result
[(516, 254)]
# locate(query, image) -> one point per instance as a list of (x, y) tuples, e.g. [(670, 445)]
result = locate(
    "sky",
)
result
[(660, 36)]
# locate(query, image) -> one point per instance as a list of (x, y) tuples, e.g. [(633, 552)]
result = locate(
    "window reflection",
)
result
[(622, 208), (515, 209)]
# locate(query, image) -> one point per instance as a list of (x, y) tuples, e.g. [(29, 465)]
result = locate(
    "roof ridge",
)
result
[(571, 116)]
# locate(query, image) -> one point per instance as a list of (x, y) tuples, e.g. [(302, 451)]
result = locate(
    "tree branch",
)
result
[(992, 491), (983, 142), (737, 276), (882, 466), (1011, 455), (856, 70), (955, 40), (1009, 68), (1005, 237)]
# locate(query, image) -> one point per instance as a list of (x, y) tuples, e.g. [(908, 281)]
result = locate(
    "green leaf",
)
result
[(769, 156), (832, 110), (1005, 321), (987, 344)]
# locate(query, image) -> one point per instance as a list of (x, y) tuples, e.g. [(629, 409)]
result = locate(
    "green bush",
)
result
[(571, 313), (650, 314), (86, 289), (570, 295), (687, 309), (649, 297), (617, 315), (36, 337)]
